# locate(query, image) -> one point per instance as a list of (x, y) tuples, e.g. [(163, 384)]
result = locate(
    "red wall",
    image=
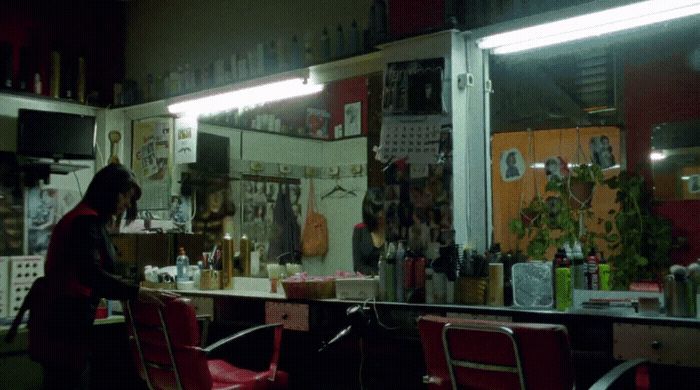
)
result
[(347, 91), (663, 90)]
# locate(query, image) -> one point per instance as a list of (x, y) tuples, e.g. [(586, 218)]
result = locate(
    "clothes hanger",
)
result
[(338, 188)]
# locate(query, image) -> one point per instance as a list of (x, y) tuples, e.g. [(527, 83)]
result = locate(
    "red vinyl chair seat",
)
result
[(490, 355), (170, 334)]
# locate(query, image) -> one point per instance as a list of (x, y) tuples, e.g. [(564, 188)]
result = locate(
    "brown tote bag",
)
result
[(314, 239)]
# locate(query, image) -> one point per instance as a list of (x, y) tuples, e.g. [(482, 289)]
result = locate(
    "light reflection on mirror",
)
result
[(675, 160)]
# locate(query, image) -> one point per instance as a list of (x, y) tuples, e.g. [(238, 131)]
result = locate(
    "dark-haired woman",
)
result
[(368, 236), (79, 266)]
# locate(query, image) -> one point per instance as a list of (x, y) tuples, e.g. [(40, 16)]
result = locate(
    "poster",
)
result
[(45, 207), (186, 140), (512, 165), (317, 122), (694, 184), (414, 87), (602, 152), (150, 161), (353, 119)]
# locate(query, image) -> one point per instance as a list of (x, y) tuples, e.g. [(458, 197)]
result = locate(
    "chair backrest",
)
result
[(475, 354), (165, 345)]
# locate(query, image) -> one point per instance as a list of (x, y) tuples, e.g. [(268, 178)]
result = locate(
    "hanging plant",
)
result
[(640, 239)]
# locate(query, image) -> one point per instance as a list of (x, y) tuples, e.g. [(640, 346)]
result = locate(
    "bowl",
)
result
[(185, 285)]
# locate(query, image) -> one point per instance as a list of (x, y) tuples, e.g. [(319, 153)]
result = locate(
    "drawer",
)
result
[(659, 344), (203, 305), (293, 316)]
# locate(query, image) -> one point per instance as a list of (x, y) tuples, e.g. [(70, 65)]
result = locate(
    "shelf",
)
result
[(48, 99), (51, 167)]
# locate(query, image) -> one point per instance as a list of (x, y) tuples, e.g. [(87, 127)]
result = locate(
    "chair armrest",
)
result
[(613, 375), (206, 320), (238, 335)]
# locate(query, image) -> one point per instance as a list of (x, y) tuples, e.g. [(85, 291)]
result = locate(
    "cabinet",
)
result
[(659, 344)]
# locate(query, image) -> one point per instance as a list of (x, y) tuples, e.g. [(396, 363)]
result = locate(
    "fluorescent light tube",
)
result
[(657, 156), (590, 25), (247, 97)]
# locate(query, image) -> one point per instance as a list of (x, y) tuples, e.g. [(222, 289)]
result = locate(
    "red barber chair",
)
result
[(165, 344), (485, 355)]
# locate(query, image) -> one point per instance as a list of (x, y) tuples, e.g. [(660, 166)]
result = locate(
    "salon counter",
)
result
[(599, 338)]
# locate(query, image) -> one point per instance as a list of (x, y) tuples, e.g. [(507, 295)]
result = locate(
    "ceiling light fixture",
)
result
[(590, 25), (245, 97), (657, 156)]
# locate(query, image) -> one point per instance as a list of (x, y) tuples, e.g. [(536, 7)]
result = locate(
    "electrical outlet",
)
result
[(17, 294), (26, 269), (256, 166), (334, 171)]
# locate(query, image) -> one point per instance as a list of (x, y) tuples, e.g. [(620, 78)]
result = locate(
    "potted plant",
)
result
[(581, 184), (641, 241), (560, 220)]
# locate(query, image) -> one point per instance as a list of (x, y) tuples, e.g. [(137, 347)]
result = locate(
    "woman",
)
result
[(79, 266), (368, 236)]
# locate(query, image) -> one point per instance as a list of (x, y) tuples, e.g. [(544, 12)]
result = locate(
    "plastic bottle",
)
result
[(563, 294), (399, 278), (604, 270), (354, 45), (340, 42), (325, 46), (592, 274), (183, 263)]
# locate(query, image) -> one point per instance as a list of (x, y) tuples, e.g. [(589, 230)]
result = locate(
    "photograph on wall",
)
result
[(414, 87), (694, 184), (150, 161), (512, 165), (185, 140), (317, 122), (602, 152), (353, 119), (555, 167), (45, 207)]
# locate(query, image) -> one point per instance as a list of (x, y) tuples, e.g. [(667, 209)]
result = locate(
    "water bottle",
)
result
[(183, 264)]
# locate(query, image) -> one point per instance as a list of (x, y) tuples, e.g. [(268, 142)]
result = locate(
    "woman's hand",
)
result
[(153, 296)]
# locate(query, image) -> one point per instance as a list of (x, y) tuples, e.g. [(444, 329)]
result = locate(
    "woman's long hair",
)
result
[(372, 204), (103, 192)]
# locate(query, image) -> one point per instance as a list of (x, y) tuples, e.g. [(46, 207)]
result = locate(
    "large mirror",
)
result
[(627, 101), (276, 155), (675, 158)]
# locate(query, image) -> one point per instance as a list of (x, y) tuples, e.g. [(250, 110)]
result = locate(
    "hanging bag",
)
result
[(314, 240)]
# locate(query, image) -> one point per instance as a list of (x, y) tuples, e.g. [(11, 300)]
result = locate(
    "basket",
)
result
[(309, 289), (471, 290)]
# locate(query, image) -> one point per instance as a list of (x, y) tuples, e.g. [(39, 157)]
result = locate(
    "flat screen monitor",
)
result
[(55, 135), (212, 154)]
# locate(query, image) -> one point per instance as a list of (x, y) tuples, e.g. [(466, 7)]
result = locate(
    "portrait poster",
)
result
[(150, 161), (694, 184), (353, 119), (414, 87), (512, 165), (602, 152), (45, 207), (185, 140)]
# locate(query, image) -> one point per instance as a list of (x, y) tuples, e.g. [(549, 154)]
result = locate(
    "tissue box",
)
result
[(356, 288)]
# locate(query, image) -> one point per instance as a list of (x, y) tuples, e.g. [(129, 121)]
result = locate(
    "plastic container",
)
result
[(532, 285), (357, 288)]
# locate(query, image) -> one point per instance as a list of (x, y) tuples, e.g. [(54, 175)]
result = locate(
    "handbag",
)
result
[(314, 241)]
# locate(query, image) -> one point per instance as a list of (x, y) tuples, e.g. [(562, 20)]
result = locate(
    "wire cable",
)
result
[(80, 191), (376, 314)]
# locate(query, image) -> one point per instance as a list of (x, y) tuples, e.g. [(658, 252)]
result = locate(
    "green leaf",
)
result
[(608, 226)]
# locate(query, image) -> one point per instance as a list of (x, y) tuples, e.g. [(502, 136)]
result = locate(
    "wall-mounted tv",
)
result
[(212, 154), (55, 135)]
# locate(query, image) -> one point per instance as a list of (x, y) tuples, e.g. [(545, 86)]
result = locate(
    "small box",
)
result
[(356, 288)]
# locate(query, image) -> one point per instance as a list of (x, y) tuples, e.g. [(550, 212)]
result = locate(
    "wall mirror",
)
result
[(675, 159), (252, 157)]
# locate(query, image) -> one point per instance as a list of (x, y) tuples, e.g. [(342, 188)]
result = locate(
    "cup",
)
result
[(293, 269)]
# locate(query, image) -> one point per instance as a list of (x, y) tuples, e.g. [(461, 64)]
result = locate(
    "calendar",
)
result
[(414, 137)]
